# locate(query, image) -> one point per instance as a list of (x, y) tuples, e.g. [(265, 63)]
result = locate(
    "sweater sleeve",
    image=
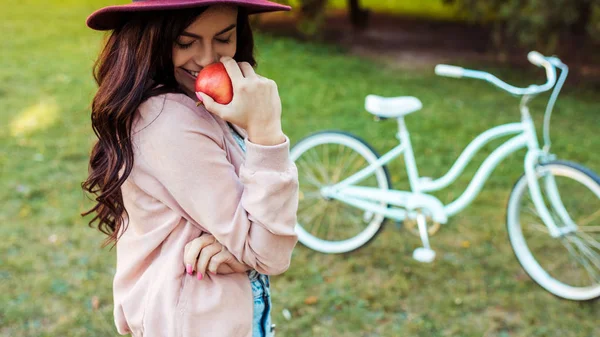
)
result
[(253, 215)]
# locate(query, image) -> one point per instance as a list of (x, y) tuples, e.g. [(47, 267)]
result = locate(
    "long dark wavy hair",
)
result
[(135, 64)]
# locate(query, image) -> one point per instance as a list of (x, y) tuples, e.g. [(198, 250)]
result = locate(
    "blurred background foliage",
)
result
[(538, 24)]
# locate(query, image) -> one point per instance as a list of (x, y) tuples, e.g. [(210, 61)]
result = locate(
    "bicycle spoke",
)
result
[(593, 274), (573, 254), (355, 221), (350, 167), (589, 219), (588, 229), (589, 239), (580, 259), (326, 158), (531, 209), (331, 226), (339, 161), (318, 166), (589, 253), (323, 170), (304, 206), (359, 166), (340, 165), (316, 211), (318, 223), (312, 195), (539, 227), (306, 173)]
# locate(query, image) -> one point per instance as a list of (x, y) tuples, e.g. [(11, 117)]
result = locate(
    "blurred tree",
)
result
[(358, 16), (311, 15), (534, 23)]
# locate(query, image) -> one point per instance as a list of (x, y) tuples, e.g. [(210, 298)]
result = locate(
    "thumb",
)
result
[(206, 100)]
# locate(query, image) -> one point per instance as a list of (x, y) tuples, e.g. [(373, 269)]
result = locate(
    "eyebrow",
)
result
[(230, 27)]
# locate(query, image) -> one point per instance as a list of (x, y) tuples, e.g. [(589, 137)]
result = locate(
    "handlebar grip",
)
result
[(536, 58), (449, 71)]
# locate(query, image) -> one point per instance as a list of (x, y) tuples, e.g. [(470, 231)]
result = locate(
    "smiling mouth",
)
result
[(193, 73)]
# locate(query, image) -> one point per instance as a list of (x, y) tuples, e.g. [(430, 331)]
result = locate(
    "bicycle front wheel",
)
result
[(325, 159), (567, 266)]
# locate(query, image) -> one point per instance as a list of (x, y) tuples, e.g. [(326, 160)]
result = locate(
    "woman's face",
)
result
[(212, 35)]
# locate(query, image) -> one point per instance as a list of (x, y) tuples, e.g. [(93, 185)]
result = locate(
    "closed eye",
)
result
[(184, 45)]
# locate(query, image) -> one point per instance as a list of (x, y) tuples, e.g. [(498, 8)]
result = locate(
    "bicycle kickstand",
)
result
[(425, 253)]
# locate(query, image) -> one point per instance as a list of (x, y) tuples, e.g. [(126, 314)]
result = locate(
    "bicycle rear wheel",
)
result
[(325, 159), (567, 266)]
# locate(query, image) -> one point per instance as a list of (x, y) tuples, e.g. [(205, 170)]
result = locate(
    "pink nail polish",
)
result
[(188, 268), (199, 276)]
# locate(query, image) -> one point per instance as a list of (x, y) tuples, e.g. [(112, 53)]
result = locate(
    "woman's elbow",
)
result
[(277, 259), (273, 269)]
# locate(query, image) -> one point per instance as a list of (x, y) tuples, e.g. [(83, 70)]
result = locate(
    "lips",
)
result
[(192, 73)]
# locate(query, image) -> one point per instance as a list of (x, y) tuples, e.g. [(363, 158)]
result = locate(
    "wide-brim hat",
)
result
[(111, 17)]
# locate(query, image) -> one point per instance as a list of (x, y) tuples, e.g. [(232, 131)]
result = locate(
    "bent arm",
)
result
[(253, 215)]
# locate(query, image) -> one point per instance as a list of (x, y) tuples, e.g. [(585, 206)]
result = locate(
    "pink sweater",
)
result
[(190, 176)]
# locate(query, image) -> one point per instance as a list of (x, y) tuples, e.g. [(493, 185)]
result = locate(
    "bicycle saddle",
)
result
[(392, 107)]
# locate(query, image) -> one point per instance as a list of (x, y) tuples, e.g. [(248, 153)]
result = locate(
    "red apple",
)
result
[(214, 81)]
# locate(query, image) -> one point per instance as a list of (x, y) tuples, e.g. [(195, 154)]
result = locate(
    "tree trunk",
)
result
[(358, 16), (580, 26)]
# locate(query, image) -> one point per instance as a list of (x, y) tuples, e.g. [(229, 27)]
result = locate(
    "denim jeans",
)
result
[(261, 322)]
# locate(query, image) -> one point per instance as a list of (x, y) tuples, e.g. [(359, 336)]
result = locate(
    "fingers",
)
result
[(221, 258), (192, 250), (207, 101), (233, 70), (213, 107), (206, 255), (247, 69), (225, 269)]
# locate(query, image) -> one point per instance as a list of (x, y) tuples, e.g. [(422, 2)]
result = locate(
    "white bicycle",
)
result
[(553, 213)]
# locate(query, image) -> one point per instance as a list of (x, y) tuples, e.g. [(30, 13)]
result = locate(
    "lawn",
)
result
[(55, 280)]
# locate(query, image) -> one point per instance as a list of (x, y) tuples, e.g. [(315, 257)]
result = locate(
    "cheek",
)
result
[(175, 57), (178, 57), (229, 49)]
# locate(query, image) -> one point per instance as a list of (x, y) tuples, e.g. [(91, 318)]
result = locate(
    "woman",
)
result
[(200, 201)]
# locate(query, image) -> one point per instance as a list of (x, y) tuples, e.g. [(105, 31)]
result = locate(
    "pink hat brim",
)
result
[(110, 17)]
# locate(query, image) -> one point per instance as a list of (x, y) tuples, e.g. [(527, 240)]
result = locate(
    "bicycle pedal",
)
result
[(424, 255)]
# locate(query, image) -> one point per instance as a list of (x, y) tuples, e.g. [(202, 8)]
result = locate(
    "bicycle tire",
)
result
[(366, 152), (522, 250)]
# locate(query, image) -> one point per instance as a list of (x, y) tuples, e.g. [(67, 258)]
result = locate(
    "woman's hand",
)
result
[(206, 253), (256, 105)]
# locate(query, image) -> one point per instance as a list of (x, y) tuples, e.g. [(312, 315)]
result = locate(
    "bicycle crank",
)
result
[(412, 227)]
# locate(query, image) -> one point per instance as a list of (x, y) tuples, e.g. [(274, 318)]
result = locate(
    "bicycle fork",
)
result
[(532, 160), (552, 195)]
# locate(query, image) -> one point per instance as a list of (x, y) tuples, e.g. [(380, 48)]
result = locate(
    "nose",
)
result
[(207, 56)]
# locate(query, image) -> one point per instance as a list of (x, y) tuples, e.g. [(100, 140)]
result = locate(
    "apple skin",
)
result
[(214, 81)]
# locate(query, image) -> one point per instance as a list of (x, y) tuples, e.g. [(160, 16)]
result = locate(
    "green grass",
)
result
[(52, 269)]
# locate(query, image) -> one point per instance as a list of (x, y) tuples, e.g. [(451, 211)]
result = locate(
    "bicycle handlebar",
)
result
[(534, 57), (449, 71)]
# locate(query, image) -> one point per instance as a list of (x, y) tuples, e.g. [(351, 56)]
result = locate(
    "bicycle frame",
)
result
[(347, 191), (417, 201)]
